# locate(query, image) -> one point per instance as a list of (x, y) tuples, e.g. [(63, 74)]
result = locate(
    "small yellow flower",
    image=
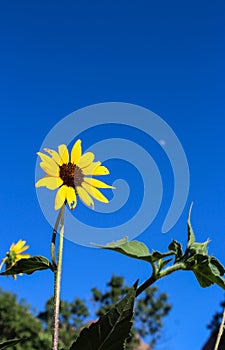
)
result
[(14, 254), (72, 175)]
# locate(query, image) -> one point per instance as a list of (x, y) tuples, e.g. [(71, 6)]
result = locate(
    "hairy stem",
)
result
[(220, 333), (157, 275), (57, 283), (54, 239), (146, 284), (171, 269)]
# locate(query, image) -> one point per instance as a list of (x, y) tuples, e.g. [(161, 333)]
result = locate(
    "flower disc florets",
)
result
[(71, 175)]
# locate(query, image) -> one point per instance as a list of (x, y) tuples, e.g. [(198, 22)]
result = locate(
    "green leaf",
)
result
[(191, 236), (199, 248), (176, 248), (133, 249), (111, 330), (136, 250), (208, 271), (28, 266), (216, 264), (192, 246), (6, 344)]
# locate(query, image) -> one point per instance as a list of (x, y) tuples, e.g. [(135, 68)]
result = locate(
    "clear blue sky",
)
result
[(57, 57)]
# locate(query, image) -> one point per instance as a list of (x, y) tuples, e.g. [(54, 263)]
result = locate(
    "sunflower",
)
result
[(72, 175), (14, 254)]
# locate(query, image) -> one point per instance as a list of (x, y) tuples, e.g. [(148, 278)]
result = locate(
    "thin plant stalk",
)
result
[(220, 333), (57, 284), (2, 263), (54, 239)]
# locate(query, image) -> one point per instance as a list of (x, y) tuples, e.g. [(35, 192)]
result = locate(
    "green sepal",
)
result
[(8, 343), (111, 330), (28, 266)]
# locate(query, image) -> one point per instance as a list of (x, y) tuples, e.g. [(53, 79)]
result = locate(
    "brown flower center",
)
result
[(71, 175)]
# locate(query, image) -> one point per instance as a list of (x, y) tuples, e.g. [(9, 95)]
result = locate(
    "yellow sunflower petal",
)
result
[(85, 160), (22, 256), (64, 154), (50, 171), (50, 182), (55, 156), (71, 198), (84, 196), (18, 246), (21, 249), (12, 246), (76, 152), (97, 183), (50, 163), (89, 170), (60, 197), (94, 192), (101, 170)]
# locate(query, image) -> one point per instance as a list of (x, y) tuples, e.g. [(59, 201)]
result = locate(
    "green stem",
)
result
[(2, 263), (168, 254), (54, 239), (220, 333), (146, 284), (157, 275), (57, 284), (171, 269)]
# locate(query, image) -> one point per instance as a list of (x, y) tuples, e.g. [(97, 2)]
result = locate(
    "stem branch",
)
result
[(157, 275), (171, 269)]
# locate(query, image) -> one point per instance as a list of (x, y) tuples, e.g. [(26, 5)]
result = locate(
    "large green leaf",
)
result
[(8, 343), (133, 249), (28, 266), (217, 267), (111, 330), (136, 250), (208, 270)]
